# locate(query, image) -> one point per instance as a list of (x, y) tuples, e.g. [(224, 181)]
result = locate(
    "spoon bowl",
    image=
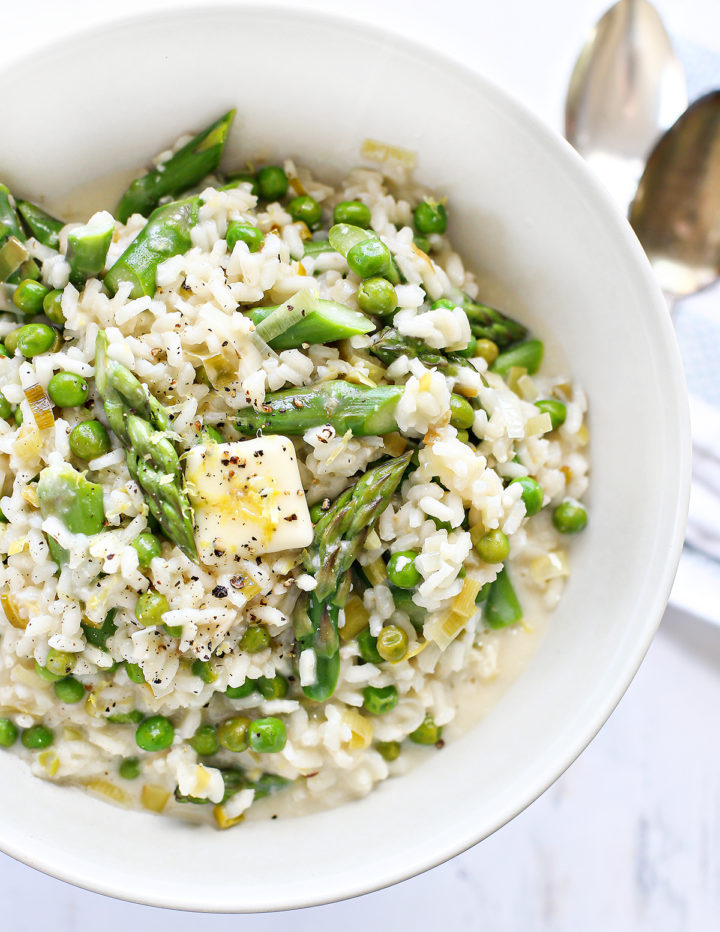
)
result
[(627, 87), (676, 211)]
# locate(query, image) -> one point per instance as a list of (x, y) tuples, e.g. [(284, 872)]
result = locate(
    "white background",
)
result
[(629, 838)]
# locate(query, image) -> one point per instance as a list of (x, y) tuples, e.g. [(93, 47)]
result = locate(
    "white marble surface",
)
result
[(629, 838)]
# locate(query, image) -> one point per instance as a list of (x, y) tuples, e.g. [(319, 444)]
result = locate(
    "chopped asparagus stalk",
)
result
[(339, 536), (166, 234), (309, 319), (185, 168), (365, 411)]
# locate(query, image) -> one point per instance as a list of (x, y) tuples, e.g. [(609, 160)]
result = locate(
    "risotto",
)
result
[(283, 500)]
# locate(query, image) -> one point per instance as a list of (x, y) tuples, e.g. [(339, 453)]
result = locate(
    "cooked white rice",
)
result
[(329, 756)]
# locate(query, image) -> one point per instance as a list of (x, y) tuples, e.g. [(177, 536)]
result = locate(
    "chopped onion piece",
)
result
[(445, 629), (361, 729), (356, 618), (223, 820), (527, 389), (154, 797), (540, 424), (376, 572), (383, 152), (286, 315), (12, 614), (553, 565), (111, 791), (41, 406), (514, 376)]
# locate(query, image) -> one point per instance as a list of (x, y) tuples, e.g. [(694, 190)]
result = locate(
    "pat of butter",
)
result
[(247, 497)]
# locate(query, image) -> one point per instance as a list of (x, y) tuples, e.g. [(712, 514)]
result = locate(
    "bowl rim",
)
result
[(32, 854)]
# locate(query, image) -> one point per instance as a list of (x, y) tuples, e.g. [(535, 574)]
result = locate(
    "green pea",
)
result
[(8, 733), (5, 407), (470, 350), (377, 296), (135, 673), (570, 517), (129, 768), (37, 737), (353, 212), (45, 674), (88, 440), (255, 639), (267, 735), (238, 231), (28, 297), (205, 741), (402, 571), (155, 733), (446, 303), (59, 662), (493, 546), (272, 687), (430, 217), (147, 547), (392, 643), (3, 351), (532, 494), (67, 390), (427, 733), (422, 243), (233, 733), (369, 258), (35, 339), (307, 209), (556, 410), (240, 692), (245, 178), (11, 341), (69, 690), (133, 717), (272, 183), (52, 306), (150, 608), (18, 416), (462, 414), (463, 436), (204, 670), (379, 699), (487, 350), (388, 750), (367, 645)]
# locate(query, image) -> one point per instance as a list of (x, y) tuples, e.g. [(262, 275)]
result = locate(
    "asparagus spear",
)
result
[(486, 323), (185, 168), (339, 536), (87, 248), (140, 422), (166, 234), (44, 227), (388, 345), (66, 494), (320, 322), (365, 411)]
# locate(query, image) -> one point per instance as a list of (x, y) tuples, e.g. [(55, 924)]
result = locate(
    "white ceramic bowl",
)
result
[(524, 209)]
